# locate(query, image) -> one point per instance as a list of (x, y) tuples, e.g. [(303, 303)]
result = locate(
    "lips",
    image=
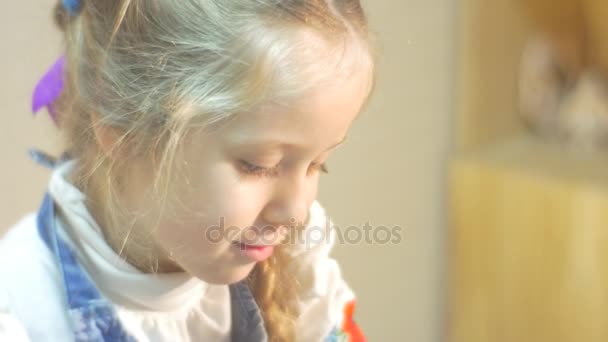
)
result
[(256, 253), (255, 247)]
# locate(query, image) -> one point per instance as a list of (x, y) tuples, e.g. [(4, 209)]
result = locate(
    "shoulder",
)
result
[(322, 292), (32, 287)]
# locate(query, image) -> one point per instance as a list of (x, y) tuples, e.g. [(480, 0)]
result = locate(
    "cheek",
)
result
[(239, 206), (229, 198), (217, 207)]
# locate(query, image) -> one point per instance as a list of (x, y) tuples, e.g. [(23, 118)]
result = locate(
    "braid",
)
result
[(275, 294)]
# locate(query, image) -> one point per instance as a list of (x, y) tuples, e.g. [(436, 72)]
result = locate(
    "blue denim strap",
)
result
[(247, 321), (93, 317)]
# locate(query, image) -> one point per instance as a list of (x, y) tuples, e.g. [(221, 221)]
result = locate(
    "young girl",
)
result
[(196, 134)]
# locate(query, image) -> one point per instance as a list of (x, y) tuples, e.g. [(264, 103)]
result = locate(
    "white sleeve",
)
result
[(323, 294), (11, 328)]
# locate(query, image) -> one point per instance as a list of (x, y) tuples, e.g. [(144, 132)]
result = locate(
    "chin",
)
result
[(225, 276)]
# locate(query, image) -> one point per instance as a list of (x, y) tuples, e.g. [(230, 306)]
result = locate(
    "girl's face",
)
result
[(246, 182)]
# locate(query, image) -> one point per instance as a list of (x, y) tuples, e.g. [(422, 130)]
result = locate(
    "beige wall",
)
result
[(392, 169), (390, 172), (30, 44)]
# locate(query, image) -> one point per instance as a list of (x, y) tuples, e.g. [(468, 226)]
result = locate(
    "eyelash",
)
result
[(259, 171)]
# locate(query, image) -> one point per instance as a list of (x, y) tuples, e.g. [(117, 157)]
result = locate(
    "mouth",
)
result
[(256, 253)]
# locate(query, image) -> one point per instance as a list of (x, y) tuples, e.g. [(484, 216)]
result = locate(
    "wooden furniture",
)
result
[(528, 220)]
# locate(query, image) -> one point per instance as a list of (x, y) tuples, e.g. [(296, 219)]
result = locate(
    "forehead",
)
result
[(321, 116)]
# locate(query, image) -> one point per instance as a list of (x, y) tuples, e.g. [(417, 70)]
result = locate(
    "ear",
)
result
[(107, 137)]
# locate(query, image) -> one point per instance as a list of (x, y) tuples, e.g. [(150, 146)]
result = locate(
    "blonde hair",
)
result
[(155, 70)]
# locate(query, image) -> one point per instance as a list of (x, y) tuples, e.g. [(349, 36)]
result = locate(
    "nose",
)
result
[(290, 202)]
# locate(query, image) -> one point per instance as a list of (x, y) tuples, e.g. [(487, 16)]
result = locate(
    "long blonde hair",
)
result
[(153, 70)]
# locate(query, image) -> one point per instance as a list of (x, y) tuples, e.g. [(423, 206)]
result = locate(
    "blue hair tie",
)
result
[(72, 6)]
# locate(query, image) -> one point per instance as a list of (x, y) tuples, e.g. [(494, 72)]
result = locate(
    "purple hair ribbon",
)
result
[(49, 88)]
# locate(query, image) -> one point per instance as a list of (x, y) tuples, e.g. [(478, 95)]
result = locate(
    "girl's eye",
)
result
[(249, 169)]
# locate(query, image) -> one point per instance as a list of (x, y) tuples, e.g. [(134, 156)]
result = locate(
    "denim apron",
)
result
[(94, 317)]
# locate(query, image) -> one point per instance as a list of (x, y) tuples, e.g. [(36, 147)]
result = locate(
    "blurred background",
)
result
[(392, 171), (527, 179)]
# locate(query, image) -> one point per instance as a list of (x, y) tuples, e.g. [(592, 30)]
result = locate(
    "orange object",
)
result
[(349, 327)]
